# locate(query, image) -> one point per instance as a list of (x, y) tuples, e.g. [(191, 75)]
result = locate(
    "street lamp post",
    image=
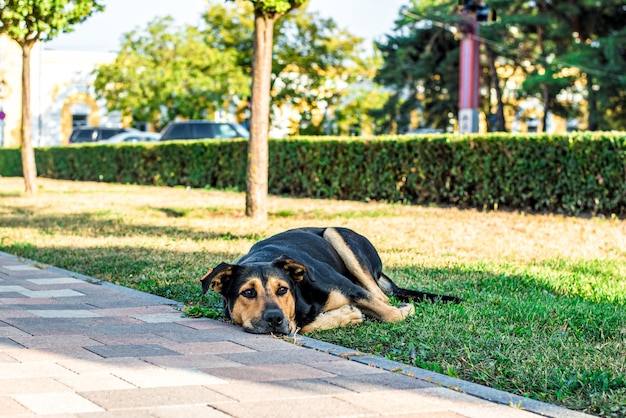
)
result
[(4, 91), (472, 13)]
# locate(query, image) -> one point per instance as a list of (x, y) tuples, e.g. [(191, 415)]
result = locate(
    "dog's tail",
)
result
[(407, 295)]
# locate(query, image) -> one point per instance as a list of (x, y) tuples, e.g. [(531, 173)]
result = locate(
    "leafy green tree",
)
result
[(27, 22), (421, 68), (165, 72), (313, 59), (560, 47), (552, 38)]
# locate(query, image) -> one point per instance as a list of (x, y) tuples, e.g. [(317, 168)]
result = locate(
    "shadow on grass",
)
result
[(96, 225)]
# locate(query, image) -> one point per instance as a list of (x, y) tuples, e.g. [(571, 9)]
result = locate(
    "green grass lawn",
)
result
[(544, 295)]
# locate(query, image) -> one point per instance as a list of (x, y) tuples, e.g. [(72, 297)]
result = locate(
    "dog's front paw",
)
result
[(407, 309), (350, 315)]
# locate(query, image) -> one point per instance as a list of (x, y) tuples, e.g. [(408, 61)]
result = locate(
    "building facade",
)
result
[(62, 93)]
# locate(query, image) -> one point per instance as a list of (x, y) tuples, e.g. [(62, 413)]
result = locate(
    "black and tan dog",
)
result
[(309, 279)]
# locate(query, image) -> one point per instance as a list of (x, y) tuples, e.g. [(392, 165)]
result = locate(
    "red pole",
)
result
[(469, 76)]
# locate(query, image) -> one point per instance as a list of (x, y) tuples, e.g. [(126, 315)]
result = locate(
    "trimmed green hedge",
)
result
[(571, 174)]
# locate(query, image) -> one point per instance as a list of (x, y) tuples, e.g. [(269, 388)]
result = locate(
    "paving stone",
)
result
[(126, 326), (56, 403), (68, 326), (300, 356), (322, 407), (268, 372), (49, 341), (263, 342), (6, 343), (205, 323), (11, 332), (128, 413), (55, 281), (9, 407), (26, 301), (214, 347), (383, 401), (205, 361), (134, 339), (494, 411), (143, 350), (470, 405), (51, 354), (374, 381), (65, 313), (164, 377), (183, 334), (5, 358), (54, 293), (280, 390), (152, 397), (104, 365), (14, 313), (19, 267), (136, 310), (31, 385), (12, 289), (113, 301), (343, 367), (32, 370), (84, 383), (429, 414), (187, 411), (161, 317)]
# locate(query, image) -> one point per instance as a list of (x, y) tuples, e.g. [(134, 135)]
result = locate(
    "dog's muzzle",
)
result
[(273, 321)]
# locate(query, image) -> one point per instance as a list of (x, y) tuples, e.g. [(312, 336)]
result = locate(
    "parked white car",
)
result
[(132, 137)]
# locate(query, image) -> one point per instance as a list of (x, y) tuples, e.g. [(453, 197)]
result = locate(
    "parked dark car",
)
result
[(203, 129), (87, 134), (132, 137)]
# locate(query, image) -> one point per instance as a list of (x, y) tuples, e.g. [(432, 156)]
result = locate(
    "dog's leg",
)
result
[(362, 275), (383, 311), (335, 318)]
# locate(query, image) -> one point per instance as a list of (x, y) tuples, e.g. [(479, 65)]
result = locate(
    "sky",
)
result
[(102, 32)]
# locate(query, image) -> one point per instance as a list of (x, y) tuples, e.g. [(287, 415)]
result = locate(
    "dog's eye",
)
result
[(249, 293), (282, 291)]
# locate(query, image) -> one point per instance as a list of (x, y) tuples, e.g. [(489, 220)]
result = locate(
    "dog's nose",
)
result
[(273, 317)]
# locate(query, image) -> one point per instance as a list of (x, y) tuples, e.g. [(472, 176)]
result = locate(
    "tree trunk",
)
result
[(546, 107), (593, 118), (29, 167), (495, 83), (258, 155), (544, 86)]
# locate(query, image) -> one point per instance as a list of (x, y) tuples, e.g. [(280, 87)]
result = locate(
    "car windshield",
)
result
[(241, 131), (108, 133), (83, 135)]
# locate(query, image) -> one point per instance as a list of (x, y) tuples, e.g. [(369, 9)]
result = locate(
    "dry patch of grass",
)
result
[(544, 295)]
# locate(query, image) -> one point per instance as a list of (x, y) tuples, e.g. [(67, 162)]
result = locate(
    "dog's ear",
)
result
[(216, 277), (296, 270)]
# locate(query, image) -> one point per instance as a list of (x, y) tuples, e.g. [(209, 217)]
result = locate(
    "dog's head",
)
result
[(259, 297)]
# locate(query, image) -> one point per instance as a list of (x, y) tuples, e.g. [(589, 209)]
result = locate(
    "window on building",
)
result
[(79, 120)]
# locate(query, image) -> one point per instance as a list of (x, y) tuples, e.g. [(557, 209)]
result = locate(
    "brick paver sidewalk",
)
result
[(73, 346)]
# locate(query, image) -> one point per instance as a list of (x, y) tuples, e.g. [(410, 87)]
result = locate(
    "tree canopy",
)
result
[(572, 56), (29, 21), (164, 71), (313, 61)]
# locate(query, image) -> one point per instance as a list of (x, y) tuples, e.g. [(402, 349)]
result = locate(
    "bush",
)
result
[(570, 174), (10, 162)]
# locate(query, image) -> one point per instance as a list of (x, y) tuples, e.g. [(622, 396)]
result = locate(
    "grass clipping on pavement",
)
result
[(543, 315)]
